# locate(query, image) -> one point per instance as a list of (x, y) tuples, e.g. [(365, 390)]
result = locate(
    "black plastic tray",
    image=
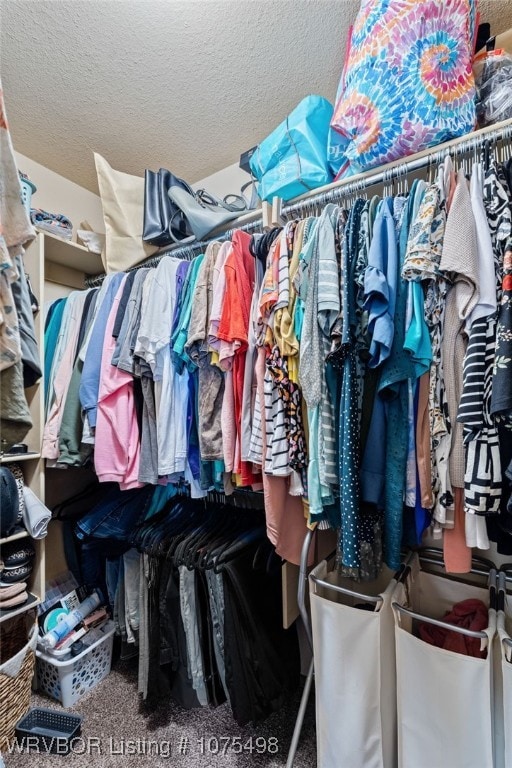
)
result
[(48, 730)]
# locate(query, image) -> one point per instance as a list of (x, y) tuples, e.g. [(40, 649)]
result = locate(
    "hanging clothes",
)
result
[(19, 356), (351, 364)]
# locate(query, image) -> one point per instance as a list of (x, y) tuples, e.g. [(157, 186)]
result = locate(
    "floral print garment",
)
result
[(290, 398), (497, 204), (501, 401), (422, 263)]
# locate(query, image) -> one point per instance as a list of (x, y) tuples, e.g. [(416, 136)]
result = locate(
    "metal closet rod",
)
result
[(337, 191)]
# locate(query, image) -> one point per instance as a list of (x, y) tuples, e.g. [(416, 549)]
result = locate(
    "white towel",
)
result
[(36, 515)]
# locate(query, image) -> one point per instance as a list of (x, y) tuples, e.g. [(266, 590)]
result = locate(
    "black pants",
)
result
[(262, 659)]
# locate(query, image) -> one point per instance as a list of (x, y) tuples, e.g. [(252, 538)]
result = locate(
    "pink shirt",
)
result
[(117, 447), (225, 349)]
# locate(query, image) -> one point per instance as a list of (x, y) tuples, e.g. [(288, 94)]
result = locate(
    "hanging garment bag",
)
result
[(444, 698), (354, 656)]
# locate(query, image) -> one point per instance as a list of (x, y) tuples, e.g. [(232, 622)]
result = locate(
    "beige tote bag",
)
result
[(122, 199)]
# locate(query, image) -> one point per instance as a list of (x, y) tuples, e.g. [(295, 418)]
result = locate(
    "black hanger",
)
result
[(143, 535), (90, 490), (222, 535), (244, 540)]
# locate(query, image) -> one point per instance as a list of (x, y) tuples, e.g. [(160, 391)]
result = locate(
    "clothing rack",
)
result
[(313, 202)]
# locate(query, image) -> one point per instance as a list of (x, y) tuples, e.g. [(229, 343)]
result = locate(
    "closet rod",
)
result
[(336, 191)]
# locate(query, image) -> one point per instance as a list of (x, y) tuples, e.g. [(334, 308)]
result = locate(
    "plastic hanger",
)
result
[(82, 495)]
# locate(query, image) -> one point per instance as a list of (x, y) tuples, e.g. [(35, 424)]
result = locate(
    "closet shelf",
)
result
[(14, 537), (10, 458), (8, 613), (70, 254)]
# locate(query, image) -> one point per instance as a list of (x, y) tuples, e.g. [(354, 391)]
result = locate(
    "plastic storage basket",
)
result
[(68, 680), (48, 730)]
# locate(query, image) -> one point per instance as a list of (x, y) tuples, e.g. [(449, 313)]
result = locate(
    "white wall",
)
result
[(229, 181), (54, 291), (57, 194)]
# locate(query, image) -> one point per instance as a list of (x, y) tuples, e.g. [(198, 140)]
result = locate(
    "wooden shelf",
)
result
[(31, 462), (11, 458), (9, 613), (14, 537), (69, 254)]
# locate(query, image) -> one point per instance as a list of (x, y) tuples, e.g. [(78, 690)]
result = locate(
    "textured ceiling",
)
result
[(187, 84)]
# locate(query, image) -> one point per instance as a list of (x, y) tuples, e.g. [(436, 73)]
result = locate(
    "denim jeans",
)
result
[(112, 577), (112, 573), (119, 604), (93, 555), (116, 515)]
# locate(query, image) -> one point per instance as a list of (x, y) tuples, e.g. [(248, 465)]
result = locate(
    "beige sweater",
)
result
[(459, 262)]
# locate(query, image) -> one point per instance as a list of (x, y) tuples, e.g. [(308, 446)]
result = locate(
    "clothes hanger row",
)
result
[(204, 538)]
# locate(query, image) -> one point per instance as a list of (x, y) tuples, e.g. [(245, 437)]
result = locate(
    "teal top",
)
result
[(180, 334)]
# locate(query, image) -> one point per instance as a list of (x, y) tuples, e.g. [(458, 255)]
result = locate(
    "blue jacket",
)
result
[(90, 383)]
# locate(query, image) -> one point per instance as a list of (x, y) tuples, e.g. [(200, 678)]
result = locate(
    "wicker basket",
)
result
[(15, 634), (15, 688)]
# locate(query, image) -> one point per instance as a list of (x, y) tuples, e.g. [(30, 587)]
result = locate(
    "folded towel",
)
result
[(36, 515), (56, 223), (12, 602), (12, 590)]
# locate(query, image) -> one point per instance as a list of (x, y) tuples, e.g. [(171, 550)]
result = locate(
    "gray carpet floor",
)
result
[(114, 714)]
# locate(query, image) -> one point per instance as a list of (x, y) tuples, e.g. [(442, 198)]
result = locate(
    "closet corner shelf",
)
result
[(8, 458), (14, 537), (9, 613), (70, 254)]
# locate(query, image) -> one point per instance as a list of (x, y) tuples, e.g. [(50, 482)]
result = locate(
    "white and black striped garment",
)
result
[(482, 472), (256, 444), (471, 406), (497, 204), (277, 449), (482, 479)]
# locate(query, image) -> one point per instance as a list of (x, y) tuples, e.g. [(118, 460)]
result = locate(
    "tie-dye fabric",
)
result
[(408, 83)]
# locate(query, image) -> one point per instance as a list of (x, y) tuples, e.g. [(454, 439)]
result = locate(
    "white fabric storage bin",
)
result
[(503, 675), (506, 670), (503, 700), (444, 698), (354, 656)]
